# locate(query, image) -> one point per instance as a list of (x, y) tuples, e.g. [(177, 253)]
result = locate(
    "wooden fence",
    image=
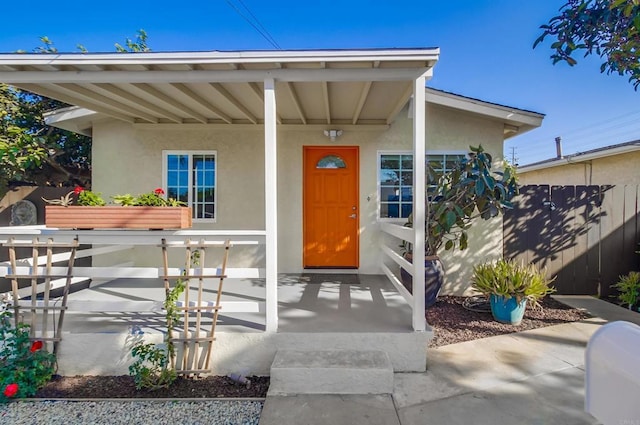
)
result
[(585, 235)]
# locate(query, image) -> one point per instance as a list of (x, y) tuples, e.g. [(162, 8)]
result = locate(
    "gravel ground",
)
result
[(125, 413), (453, 323)]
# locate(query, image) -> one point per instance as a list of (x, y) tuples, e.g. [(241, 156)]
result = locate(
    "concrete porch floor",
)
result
[(346, 312), (333, 303)]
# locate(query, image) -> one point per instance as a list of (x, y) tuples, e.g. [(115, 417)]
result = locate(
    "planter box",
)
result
[(117, 217)]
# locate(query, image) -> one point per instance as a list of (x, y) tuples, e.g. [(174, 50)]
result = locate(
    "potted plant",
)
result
[(509, 285), (146, 211), (469, 191)]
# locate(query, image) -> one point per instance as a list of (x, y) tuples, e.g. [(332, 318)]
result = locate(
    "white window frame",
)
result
[(403, 152), (190, 154)]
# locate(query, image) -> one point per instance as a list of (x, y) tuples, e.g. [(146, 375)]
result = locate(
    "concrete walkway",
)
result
[(534, 377)]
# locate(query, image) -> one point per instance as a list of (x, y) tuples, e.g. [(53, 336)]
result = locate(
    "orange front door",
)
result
[(331, 211)]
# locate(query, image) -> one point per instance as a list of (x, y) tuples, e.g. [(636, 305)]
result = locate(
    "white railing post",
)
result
[(419, 204), (271, 205)]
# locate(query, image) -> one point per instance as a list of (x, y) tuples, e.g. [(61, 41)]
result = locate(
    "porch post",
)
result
[(271, 205), (419, 204)]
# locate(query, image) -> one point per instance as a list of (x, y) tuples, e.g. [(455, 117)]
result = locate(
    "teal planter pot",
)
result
[(507, 310)]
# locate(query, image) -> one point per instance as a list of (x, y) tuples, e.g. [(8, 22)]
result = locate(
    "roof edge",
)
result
[(602, 152), (341, 55)]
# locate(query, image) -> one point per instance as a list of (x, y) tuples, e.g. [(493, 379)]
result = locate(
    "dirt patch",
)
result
[(453, 323), (93, 387)]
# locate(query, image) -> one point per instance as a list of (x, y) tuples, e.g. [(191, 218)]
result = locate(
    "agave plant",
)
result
[(511, 279)]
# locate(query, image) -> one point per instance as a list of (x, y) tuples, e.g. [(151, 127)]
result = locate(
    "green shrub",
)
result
[(25, 365), (629, 287), (509, 278), (151, 369)]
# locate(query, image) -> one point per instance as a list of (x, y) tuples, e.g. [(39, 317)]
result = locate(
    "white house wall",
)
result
[(126, 159)]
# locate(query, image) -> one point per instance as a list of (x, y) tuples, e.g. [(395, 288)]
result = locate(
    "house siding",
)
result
[(615, 169), (127, 159)]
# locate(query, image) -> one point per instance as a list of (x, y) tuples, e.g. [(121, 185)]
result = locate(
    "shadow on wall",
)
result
[(34, 195), (586, 235)]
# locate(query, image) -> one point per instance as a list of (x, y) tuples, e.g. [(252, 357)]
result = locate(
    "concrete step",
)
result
[(331, 372)]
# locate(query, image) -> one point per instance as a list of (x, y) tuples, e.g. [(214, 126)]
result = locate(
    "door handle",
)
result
[(353, 215)]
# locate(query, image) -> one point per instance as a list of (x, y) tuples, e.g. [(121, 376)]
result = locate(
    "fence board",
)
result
[(629, 259), (563, 241)]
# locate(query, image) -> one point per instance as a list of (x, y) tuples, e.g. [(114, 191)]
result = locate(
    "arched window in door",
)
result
[(331, 161)]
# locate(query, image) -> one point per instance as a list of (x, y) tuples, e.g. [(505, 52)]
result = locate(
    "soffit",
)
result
[(312, 87)]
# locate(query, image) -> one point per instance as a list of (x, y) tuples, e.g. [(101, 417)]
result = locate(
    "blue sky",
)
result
[(485, 50)]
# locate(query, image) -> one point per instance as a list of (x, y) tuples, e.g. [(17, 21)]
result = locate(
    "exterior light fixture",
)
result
[(333, 134)]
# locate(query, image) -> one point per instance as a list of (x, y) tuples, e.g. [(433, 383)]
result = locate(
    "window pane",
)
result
[(390, 162), (407, 162), (331, 161), (389, 177), (407, 178)]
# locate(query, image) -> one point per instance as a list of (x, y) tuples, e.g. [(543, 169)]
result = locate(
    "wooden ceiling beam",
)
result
[(72, 100), (123, 94), (296, 101), (152, 91), (225, 93), (75, 89), (202, 102)]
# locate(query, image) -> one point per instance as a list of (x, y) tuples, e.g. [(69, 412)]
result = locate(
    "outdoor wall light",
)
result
[(333, 134)]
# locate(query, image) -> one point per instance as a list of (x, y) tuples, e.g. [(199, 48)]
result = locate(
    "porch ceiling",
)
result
[(341, 87)]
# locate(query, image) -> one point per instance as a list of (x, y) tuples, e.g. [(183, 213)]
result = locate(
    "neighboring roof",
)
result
[(516, 121), (326, 87), (602, 152)]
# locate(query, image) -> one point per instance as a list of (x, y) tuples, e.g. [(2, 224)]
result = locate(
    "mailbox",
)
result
[(612, 377)]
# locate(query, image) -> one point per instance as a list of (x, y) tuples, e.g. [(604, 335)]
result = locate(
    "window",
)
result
[(331, 161), (191, 178), (395, 179)]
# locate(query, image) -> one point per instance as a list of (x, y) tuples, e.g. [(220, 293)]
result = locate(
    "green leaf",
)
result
[(479, 188), (451, 219)]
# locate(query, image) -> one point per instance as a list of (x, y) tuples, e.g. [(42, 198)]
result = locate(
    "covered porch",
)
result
[(112, 307), (117, 97)]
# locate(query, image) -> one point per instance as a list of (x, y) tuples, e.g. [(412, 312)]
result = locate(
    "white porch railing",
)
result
[(112, 241), (401, 233)]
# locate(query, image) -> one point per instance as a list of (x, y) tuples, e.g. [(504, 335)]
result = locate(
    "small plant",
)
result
[(151, 369), (25, 366), (629, 287), (84, 197), (511, 279), (89, 198), (151, 199)]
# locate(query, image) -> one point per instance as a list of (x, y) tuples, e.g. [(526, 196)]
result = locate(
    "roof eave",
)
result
[(517, 121), (574, 159), (266, 56)]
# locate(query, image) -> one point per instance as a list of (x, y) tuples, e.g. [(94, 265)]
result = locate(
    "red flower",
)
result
[(78, 190), (159, 191), (11, 390), (37, 345)]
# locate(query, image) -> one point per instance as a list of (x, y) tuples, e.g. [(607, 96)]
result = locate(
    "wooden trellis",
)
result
[(41, 305), (193, 335)]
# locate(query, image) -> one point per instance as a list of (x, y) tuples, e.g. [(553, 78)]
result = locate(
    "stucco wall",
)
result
[(127, 159), (615, 169)]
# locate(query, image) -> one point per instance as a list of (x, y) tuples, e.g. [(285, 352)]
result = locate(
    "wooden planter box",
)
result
[(117, 217)]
